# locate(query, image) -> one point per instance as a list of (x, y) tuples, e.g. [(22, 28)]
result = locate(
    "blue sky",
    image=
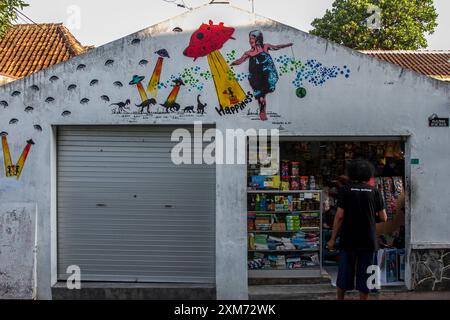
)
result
[(102, 21)]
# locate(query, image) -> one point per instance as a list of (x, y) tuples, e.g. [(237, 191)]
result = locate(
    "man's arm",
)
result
[(338, 219), (382, 216)]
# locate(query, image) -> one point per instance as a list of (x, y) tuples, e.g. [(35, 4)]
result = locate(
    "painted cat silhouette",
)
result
[(189, 109), (201, 106)]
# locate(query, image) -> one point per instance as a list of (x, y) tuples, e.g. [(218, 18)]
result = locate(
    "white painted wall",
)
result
[(377, 99), (17, 250)]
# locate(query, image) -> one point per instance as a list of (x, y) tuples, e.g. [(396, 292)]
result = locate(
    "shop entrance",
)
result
[(292, 204)]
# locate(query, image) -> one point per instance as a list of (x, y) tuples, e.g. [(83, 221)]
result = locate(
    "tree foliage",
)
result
[(8, 13), (403, 24)]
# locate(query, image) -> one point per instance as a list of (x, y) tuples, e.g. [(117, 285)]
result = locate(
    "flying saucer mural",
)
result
[(14, 170), (207, 41), (156, 75), (237, 90)]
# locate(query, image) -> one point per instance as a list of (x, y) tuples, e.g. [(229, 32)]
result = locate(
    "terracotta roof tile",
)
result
[(28, 48), (435, 64)]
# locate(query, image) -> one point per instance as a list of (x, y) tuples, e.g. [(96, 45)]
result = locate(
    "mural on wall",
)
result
[(156, 75), (14, 170), (171, 101), (235, 91), (244, 91), (207, 41), (263, 75)]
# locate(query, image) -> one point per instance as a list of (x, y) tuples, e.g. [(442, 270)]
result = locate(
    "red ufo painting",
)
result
[(207, 41)]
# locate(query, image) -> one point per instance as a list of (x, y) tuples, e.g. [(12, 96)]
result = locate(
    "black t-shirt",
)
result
[(360, 202)]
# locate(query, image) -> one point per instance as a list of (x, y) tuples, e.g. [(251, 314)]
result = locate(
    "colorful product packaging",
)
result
[(265, 182), (285, 168), (304, 183), (295, 168), (295, 183), (285, 183)]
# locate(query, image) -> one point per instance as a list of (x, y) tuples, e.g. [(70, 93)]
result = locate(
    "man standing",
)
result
[(360, 207)]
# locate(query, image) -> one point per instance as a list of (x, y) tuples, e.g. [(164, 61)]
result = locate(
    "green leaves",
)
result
[(403, 24), (8, 13)]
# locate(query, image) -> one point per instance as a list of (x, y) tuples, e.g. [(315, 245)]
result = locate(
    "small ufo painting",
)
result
[(207, 41), (105, 98), (137, 81), (154, 80)]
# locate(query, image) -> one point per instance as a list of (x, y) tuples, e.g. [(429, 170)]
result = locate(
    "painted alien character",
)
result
[(263, 75)]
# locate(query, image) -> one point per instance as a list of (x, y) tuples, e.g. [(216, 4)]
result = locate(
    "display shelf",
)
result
[(284, 250), (315, 229), (284, 212), (282, 191), (305, 272), (316, 215)]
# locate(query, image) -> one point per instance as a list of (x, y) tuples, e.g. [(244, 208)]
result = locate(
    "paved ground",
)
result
[(407, 296), (327, 292)]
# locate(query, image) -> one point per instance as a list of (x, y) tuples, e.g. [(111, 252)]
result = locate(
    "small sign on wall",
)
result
[(435, 121)]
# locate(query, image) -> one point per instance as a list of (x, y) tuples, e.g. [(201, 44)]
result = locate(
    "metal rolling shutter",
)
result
[(127, 213)]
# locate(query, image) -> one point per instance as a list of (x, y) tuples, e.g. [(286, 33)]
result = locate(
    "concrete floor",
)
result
[(328, 292)]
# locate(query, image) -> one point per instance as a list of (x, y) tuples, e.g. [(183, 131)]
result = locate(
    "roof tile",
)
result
[(431, 63), (28, 48)]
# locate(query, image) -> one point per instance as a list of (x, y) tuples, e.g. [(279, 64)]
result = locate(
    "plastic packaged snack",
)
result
[(295, 183), (285, 183), (285, 168), (304, 183), (295, 168)]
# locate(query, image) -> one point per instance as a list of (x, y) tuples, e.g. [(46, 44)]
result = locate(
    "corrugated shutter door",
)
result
[(127, 213)]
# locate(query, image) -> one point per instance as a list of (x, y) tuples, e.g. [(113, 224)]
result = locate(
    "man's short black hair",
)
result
[(360, 170)]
